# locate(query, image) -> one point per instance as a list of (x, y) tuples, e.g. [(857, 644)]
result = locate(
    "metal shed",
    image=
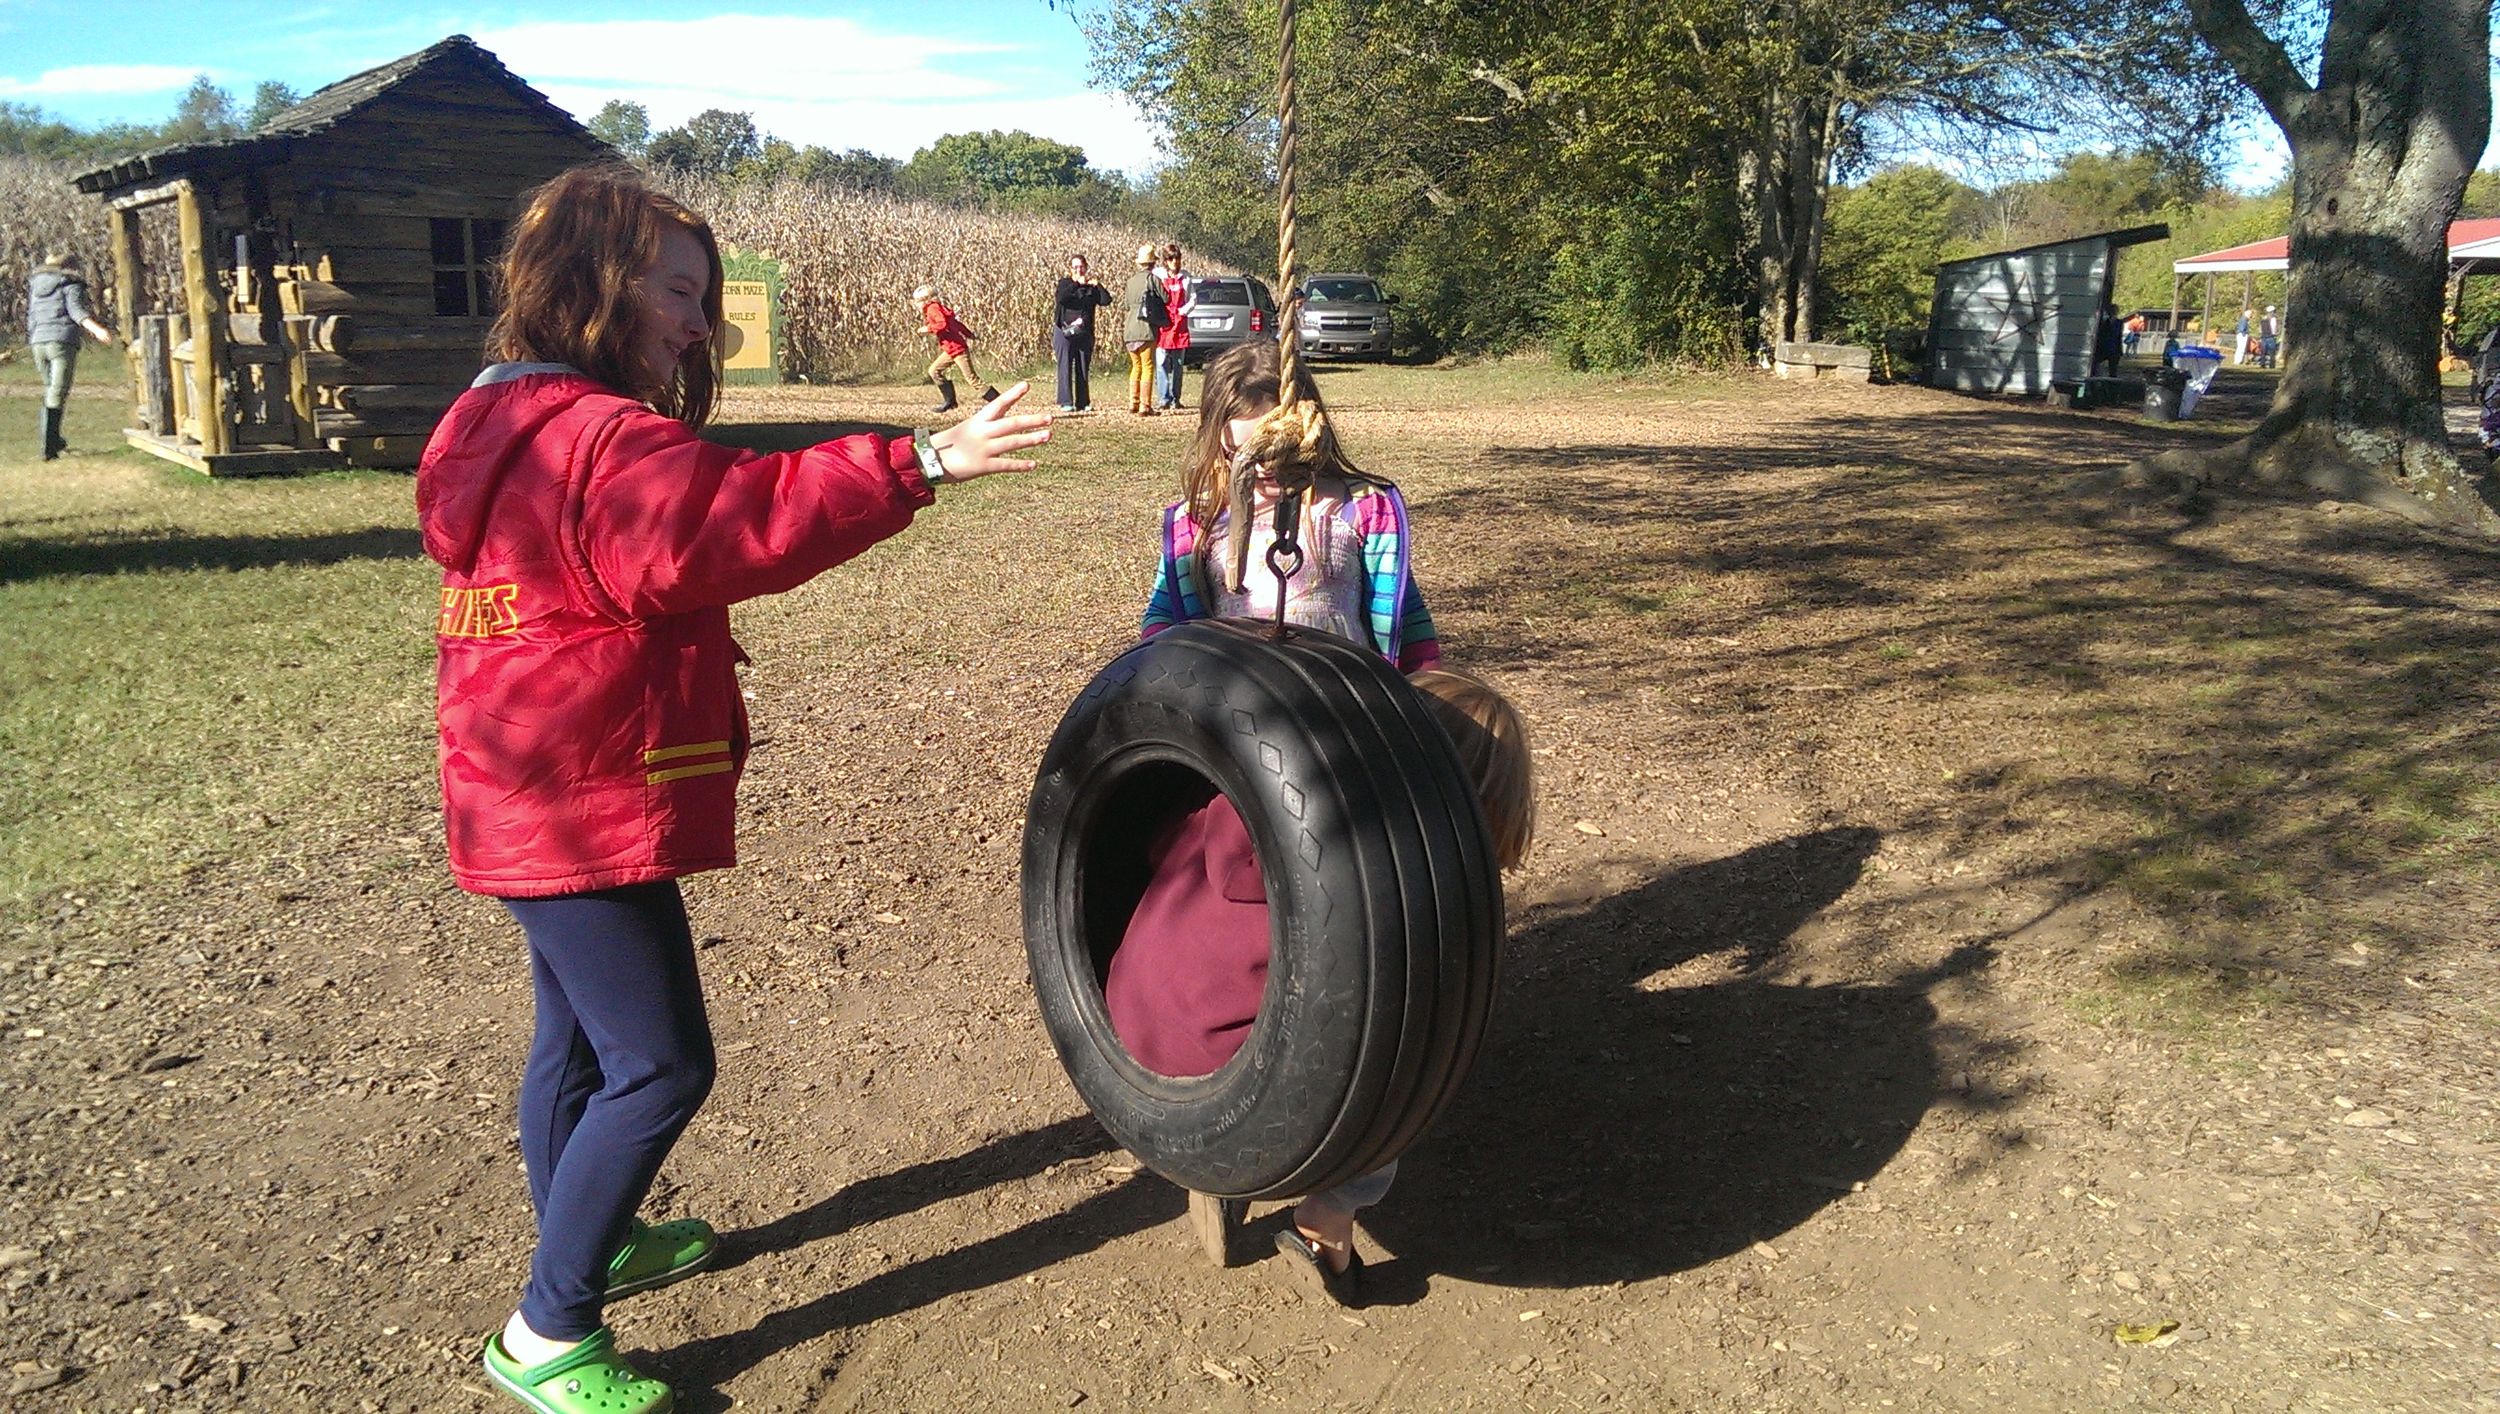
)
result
[(2019, 321)]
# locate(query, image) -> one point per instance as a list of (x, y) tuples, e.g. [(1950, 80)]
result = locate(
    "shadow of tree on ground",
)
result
[(2271, 728)]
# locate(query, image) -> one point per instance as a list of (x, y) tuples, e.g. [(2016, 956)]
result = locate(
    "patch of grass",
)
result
[(2183, 990), (192, 661), (1894, 650)]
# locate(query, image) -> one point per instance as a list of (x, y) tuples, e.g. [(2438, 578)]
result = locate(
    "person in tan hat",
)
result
[(1147, 314), (954, 349), (56, 310)]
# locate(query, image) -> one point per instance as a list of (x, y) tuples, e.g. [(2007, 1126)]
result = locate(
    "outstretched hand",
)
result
[(978, 445)]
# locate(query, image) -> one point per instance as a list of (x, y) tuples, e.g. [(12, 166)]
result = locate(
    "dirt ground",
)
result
[(1968, 918)]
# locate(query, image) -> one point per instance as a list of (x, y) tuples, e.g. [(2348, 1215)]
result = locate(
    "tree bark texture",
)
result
[(1785, 180), (2382, 145)]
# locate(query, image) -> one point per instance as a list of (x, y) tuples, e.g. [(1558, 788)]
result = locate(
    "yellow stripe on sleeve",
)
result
[(679, 773), (679, 753)]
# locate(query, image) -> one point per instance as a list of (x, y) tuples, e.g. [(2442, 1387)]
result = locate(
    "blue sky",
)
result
[(890, 78)]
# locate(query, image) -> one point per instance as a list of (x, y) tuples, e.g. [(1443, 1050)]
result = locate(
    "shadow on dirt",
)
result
[(1132, 1206), (30, 559), (2280, 702), (1616, 1128), (890, 1195), (1620, 1127)]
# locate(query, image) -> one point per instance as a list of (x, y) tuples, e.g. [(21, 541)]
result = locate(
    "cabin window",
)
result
[(464, 262)]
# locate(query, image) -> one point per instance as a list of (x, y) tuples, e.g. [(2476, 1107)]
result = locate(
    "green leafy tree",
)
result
[(1885, 239), (992, 165), (622, 124), (269, 99), (857, 169), (715, 142), (204, 113)]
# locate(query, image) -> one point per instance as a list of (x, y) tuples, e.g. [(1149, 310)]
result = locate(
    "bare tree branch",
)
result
[(2256, 58)]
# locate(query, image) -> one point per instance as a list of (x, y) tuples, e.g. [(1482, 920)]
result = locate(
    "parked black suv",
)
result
[(1231, 308)]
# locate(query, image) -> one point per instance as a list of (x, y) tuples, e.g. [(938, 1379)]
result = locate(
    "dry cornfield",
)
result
[(850, 261), (41, 212)]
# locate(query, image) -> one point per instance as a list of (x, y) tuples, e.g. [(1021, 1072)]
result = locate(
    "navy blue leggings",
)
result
[(621, 1060)]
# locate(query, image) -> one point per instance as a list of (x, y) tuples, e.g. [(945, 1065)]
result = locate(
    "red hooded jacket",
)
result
[(592, 725)]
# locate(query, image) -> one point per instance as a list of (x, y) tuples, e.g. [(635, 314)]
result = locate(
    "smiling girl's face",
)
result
[(671, 294)]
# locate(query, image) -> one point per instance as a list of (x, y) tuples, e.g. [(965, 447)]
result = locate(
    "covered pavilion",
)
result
[(2473, 249)]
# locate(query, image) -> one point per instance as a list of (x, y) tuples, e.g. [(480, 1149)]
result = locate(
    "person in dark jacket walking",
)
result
[(1072, 334), (56, 310)]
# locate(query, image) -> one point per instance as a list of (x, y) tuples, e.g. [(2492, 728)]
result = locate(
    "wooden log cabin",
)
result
[(335, 263)]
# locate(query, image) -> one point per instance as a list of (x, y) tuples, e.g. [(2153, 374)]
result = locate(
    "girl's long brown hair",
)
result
[(567, 286), (1244, 381)]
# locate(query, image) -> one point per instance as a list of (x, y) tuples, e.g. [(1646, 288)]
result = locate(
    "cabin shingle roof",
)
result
[(323, 110)]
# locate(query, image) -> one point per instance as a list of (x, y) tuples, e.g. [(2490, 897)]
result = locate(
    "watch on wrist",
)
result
[(924, 446)]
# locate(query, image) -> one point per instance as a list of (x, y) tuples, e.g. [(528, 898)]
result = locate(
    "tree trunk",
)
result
[(1785, 181), (2381, 148)]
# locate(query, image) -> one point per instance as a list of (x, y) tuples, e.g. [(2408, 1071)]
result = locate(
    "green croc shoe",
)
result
[(590, 1378), (654, 1256)]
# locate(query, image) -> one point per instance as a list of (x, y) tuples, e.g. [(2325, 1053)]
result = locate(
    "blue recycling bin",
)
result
[(2200, 364)]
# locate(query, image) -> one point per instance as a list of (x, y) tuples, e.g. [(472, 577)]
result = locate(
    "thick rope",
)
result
[(1286, 446)]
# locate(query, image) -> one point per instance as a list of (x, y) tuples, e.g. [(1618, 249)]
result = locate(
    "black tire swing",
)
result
[(1384, 897)]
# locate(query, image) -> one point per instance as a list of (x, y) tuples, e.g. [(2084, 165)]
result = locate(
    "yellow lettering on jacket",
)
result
[(483, 611)]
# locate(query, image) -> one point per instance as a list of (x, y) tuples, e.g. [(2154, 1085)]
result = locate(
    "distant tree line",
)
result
[(1006, 171), (204, 113)]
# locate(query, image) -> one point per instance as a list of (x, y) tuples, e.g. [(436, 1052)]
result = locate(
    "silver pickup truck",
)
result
[(1346, 316)]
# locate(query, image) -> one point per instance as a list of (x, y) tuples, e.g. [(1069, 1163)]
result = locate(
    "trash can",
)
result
[(2162, 387), (2200, 364)]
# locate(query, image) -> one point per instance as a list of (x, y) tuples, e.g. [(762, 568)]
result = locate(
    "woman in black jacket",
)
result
[(1072, 334)]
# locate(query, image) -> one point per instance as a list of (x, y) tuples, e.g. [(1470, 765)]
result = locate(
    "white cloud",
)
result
[(85, 79), (755, 57)]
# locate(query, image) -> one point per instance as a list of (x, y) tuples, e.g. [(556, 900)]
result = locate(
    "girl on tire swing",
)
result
[(592, 729), (1187, 981)]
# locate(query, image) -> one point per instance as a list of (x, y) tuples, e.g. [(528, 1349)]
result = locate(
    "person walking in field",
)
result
[(2269, 339), (591, 725), (57, 312), (954, 343), (1072, 334), (1143, 298)]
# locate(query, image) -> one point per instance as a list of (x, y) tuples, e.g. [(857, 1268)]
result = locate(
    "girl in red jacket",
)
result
[(592, 729)]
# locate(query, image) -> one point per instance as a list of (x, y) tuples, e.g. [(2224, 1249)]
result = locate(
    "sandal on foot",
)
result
[(1306, 1263), (655, 1255), (590, 1378)]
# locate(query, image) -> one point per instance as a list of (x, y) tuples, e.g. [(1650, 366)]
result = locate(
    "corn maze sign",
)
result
[(750, 332)]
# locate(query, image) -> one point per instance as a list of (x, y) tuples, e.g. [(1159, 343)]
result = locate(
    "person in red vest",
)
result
[(1180, 296)]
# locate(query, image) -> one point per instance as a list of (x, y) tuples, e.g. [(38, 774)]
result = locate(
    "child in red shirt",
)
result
[(1191, 970), (954, 348)]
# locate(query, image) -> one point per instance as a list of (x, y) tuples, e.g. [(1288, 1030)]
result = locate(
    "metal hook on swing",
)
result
[(1284, 552)]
